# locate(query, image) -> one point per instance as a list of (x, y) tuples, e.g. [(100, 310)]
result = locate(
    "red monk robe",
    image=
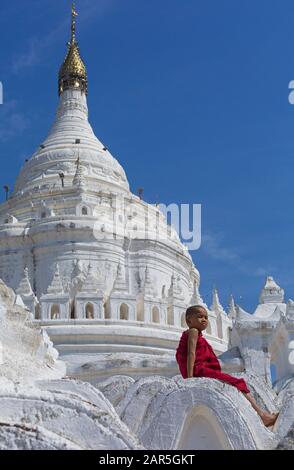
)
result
[(206, 363)]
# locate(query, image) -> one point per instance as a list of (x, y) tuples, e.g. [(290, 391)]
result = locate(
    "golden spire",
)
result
[(74, 14), (73, 74)]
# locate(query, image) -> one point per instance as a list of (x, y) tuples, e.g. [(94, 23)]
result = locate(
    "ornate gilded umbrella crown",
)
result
[(73, 73)]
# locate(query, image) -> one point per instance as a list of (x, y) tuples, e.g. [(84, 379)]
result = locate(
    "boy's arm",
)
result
[(192, 341)]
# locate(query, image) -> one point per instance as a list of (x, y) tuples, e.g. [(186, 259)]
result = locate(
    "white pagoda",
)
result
[(80, 268), (110, 291)]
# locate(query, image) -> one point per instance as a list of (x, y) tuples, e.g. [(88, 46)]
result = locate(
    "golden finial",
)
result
[(74, 14), (73, 74)]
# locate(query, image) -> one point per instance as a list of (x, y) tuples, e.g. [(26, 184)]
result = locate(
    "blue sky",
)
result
[(192, 98)]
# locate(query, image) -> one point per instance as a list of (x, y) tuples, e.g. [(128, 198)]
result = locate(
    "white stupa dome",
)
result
[(101, 289)]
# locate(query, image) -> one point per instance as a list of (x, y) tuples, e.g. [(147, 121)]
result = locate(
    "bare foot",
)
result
[(269, 419)]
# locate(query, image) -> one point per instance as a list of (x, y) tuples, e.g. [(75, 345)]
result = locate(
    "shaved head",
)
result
[(194, 310)]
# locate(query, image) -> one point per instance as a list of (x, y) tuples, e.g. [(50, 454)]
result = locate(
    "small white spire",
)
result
[(91, 281), (232, 311), (25, 288), (56, 286), (271, 293), (120, 281), (79, 178), (216, 305), (78, 268), (196, 298), (172, 286)]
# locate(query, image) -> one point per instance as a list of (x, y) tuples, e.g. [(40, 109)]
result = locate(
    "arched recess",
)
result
[(89, 311), (38, 312), (106, 307), (83, 210), (155, 315), (202, 431), (72, 310), (218, 404), (124, 312), (55, 312)]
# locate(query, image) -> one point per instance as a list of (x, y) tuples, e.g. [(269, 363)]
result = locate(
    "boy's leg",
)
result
[(267, 418), (240, 384)]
